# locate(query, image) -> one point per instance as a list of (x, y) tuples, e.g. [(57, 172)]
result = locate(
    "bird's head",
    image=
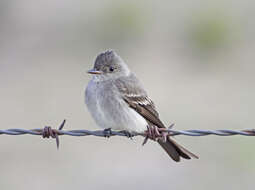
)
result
[(108, 65)]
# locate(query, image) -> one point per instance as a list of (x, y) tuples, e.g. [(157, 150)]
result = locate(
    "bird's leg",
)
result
[(128, 134), (107, 132)]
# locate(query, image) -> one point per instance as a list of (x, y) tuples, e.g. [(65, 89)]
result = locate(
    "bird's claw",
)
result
[(108, 132), (128, 134)]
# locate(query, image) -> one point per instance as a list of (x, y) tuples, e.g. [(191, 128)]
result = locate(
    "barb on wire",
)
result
[(48, 132)]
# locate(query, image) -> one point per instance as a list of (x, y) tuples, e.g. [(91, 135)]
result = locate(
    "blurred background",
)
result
[(195, 58)]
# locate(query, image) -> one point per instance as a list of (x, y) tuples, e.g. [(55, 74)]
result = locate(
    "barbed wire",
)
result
[(47, 132)]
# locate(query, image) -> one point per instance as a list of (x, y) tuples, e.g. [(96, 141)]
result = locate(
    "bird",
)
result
[(117, 100)]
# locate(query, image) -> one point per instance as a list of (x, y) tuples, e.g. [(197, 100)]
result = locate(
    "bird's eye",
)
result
[(111, 69)]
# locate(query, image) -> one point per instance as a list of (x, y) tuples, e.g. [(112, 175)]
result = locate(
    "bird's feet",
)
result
[(128, 134), (108, 132)]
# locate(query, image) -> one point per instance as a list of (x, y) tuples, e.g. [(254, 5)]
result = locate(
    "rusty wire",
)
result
[(48, 132)]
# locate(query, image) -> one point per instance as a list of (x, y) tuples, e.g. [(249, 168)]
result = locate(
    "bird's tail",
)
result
[(175, 151)]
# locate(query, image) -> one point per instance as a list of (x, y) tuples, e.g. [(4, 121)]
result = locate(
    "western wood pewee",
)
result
[(117, 100)]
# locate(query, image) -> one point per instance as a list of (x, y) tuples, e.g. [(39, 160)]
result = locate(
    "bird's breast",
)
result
[(109, 110)]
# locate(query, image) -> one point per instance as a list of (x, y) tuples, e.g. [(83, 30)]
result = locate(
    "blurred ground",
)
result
[(195, 58)]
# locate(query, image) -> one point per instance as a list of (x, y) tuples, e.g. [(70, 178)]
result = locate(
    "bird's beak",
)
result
[(94, 72)]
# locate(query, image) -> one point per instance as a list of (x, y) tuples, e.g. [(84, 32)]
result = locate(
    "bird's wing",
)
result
[(136, 97)]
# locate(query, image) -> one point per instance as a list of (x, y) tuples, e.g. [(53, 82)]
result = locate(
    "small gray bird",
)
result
[(117, 100)]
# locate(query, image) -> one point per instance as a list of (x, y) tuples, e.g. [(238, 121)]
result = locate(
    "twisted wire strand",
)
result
[(102, 133), (48, 132)]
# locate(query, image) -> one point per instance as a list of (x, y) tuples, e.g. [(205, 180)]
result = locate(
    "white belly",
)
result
[(112, 112)]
